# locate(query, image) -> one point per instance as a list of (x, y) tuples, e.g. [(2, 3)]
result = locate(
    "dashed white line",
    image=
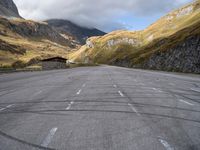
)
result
[(134, 109), (196, 90), (37, 93), (166, 144), (158, 90), (70, 105), (2, 109), (3, 92), (121, 94), (49, 137), (186, 102), (79, 92)]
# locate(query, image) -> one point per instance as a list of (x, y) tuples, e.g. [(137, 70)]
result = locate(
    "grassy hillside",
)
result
[(137, 46), (28, 40)]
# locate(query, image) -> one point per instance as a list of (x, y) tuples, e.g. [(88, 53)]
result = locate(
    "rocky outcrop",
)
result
[(184, 57), (129, 41), (8, 9), (89, 44)]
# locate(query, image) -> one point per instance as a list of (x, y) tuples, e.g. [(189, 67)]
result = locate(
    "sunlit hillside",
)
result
[(135, 47), (26, 40)]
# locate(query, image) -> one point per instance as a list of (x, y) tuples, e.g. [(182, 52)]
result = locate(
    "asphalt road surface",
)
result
[(99, 108)]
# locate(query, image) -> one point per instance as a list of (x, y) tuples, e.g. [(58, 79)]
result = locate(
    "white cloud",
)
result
[(103, 14)]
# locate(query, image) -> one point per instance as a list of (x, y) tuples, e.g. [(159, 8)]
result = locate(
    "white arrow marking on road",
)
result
[(49, 137), (121, 94), (186, 102), (166, 144)]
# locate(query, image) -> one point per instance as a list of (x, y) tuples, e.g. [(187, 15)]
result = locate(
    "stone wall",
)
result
[(50, 65), (185, 57)]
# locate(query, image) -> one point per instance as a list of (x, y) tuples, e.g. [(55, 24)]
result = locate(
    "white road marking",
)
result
[(115, 86), (155, 89), (196, 90), (79, 92), (3, 92), (49, 137), (84, 85), (134, 109), (2, 109), (37, 93), (69, 106), (166, 144), (121, 94), (6, 107), (186, 102)]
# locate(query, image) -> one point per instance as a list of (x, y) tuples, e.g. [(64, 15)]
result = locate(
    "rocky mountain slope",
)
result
[(28, 41), (25, 40), (8, 9), (80, 33), (171, 43)]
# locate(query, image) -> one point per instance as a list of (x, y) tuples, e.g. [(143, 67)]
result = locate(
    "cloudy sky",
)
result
[(106, 15)]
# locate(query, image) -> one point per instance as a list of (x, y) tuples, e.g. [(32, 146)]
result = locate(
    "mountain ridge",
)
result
[(8, 9), (27, 40)]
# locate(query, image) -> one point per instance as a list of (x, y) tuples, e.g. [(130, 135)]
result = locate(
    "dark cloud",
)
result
[(103, 14)]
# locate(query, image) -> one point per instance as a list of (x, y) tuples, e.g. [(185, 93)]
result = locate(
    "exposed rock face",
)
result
[(89, 44), (80, 33), (8, 9), (181, 12), (185, 11), (113, 42), (185, 57)]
